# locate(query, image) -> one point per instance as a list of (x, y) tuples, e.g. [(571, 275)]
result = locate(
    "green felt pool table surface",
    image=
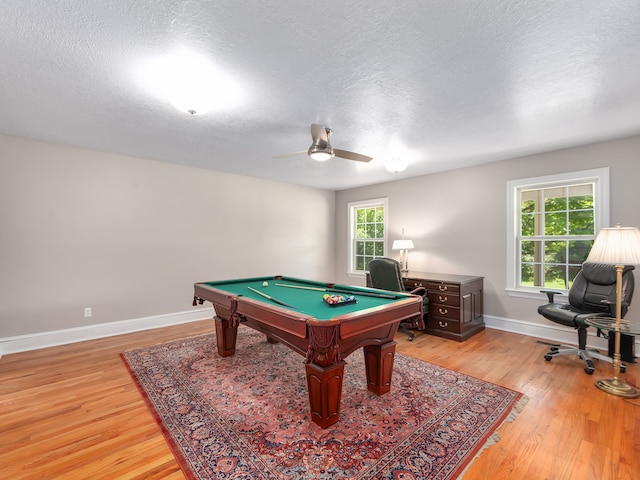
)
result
[(308, 302)]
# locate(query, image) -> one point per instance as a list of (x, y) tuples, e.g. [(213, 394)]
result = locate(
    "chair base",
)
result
[(410, 332), (586, 355)]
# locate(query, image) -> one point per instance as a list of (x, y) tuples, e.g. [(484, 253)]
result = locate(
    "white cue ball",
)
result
[(265, 284)]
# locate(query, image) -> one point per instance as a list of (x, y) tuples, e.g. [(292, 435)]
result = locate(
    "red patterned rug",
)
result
[(247, 416)]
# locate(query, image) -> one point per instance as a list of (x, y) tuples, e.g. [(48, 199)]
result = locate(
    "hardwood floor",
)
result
[(74, 412)]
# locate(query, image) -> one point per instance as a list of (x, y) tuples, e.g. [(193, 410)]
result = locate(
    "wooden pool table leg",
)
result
[(325, 392), (226, 336), (378, 361)]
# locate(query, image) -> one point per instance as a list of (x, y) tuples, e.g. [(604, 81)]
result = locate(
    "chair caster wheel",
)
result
[(554, 349), (589, 370), (548, 357), (623, 368)]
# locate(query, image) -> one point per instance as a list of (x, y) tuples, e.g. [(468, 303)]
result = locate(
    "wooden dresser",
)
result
[(455, 303)]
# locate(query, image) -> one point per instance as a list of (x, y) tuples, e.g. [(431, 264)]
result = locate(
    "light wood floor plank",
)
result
[(74, 412)]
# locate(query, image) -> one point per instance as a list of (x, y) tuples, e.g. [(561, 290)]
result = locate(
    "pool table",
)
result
[(292, 312)]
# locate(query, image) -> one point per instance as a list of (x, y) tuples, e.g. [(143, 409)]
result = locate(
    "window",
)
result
[(553, 222), (367, 233)]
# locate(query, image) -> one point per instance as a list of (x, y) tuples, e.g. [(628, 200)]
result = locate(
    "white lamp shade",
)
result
[(616, 245), (402, 245)]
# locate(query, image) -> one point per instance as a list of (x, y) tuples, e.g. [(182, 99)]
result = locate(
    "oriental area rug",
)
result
[(247, 416)]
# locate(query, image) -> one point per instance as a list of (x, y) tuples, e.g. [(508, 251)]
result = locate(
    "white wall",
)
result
[(457, 219), (128, 237)]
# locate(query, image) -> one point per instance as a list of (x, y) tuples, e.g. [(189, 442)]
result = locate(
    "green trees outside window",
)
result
[(369, 235), (557, 230)]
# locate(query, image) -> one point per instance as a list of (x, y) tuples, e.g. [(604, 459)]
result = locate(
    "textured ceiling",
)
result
[(442, 84)]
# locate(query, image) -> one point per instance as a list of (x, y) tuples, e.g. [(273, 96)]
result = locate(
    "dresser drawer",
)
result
[(444, 311), (444, 298), (411, 283), (443, 287), (436, 324)]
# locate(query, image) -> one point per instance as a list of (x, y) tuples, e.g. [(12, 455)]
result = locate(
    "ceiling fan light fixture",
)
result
[(396, 165), (320, 154), (189, 81)]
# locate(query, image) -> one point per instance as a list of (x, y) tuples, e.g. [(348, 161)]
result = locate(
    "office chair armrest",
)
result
[(550, 294), (419, 291), (612, 306)]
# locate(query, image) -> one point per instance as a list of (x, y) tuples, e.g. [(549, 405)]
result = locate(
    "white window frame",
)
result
[(352, 207), (598, 176)]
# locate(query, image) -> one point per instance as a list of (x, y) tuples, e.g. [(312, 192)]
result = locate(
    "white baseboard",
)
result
[(553, 332), (23, 343)]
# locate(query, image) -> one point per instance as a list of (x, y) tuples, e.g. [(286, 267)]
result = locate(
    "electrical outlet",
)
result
[(87, 312)]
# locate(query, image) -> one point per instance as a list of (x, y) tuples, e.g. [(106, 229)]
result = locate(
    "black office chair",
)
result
[(385, 274), (592, 294)]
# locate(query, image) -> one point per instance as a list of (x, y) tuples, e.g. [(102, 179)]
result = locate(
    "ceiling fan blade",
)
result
[(351, 155), (294, 154)]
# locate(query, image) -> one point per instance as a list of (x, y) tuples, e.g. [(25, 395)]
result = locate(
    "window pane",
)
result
[(371, 215), (359, 263), (555, 276), (528, 225), (555, 223), (555, 252), (528, 250), (528, 206), (379, 214), (379, 230), (368, 248), (379, 249), (581, 196), (579, 250), (528, 275), (581, 223), (359, 248), (371, 230), (555, 199)]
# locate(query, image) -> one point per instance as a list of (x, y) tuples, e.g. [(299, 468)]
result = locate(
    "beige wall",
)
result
[(129, 237), (457, 219)]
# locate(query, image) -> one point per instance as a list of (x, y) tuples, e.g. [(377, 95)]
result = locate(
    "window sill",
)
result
[(356, 274), (535, 295)]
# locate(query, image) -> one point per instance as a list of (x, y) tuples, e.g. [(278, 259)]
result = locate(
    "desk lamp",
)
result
[(404, 246), (619, 246)]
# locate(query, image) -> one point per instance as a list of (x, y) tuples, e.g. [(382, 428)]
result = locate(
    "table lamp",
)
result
[(619, 246), (404, 246)]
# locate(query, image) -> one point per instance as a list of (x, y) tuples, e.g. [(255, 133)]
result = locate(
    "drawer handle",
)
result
[(443, 299), (442, 288), (443, 325), (443, 311)]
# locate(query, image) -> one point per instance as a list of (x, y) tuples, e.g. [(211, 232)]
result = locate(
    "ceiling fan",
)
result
[(322, 150)]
